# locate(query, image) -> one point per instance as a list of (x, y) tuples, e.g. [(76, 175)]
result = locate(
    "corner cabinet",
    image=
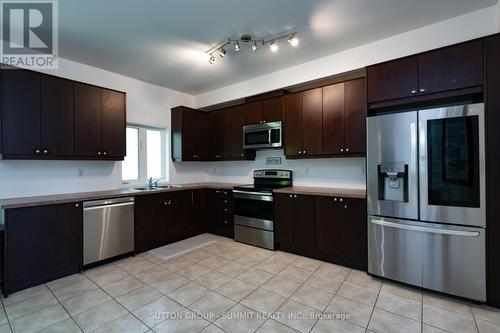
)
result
[(323, 227), (41, 244), (47, 117), (446, 69)]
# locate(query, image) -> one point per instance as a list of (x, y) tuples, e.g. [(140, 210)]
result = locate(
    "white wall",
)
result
[(458, 29), (146, 104), (498, 16), (325, 172)]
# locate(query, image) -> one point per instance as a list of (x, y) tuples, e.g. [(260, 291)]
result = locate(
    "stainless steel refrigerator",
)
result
[(426, 199)]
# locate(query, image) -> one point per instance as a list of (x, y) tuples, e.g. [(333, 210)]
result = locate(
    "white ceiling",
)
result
[(163, 41)]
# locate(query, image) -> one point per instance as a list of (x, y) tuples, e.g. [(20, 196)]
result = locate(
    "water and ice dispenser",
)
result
[(393, 181)]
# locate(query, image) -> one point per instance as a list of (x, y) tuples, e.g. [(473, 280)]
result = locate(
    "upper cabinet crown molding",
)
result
[(47, 117)]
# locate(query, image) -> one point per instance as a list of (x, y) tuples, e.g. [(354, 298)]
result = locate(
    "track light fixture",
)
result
[(222, 52), (293, 40), (273, 46), (254, 44)]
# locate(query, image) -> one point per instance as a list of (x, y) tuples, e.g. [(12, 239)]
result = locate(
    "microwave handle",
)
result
[(269, 136)]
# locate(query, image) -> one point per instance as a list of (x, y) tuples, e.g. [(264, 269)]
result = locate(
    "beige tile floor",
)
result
[(235, 287)]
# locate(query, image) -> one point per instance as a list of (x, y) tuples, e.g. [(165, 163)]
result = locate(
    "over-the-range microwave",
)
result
[(260, 136)]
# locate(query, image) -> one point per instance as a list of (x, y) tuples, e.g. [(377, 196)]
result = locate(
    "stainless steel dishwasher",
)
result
[(108, 228)]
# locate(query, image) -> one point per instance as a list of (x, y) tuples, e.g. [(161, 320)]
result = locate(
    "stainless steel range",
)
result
[(426, 199), (253, 207)]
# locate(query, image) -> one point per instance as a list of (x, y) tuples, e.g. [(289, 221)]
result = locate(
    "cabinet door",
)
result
[(220, 134), (272, 109), (393, 79), (20, 112), (312, 122), (42, 243), (113, 123), (254, 113), (292, 124), (453, 67), (354, 234), (150, 220), (328, 222), (333, 118), (199, 135), (355, 116), (56, 116), (88, 120), (200, 219), (181, 217), (283, 217), (304, 229), (237, 121)]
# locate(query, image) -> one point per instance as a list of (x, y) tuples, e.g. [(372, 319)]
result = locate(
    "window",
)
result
[(146, 154)]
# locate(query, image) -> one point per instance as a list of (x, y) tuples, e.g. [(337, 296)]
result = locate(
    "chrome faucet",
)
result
[(153, 184)]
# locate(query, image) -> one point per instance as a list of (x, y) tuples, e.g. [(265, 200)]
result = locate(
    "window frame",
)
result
[(142, 154)]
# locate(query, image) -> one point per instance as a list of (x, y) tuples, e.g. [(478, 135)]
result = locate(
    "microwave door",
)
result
[(452, 165)]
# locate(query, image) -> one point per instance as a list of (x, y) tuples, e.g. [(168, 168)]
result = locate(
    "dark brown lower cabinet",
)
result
[(164, 218), (326, 228), (295, 223), (41, 244), (220, 212)]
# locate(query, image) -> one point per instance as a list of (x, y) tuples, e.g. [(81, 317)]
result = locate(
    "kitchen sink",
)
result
[(156, 188)]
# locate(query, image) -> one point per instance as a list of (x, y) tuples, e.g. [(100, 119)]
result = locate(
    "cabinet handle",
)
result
[(77, 205), (45, 151), (414, 91), (98, 153), (225, 209), (341, 200), (104, 153), (347, 149), (225, 222), (341, 150), (291, 196), (345, 206), (422, 90), (295, 195), (263, 121), (225, 201), (37, 151), (304, 152), (335, 199), (242, 155), (300, 152)]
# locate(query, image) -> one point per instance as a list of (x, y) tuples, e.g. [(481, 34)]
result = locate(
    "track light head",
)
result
[(254, 46), (273, 46), (211, 60), (236, 46), (293, 40), (222, 52)]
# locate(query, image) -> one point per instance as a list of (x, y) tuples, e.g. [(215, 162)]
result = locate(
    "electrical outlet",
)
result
[(273, 160)]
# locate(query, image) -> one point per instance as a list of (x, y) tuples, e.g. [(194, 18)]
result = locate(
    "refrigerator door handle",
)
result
[(426, 229)]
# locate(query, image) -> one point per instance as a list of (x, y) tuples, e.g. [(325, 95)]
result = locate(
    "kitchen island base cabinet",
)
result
[(41, 244), (328, 228)]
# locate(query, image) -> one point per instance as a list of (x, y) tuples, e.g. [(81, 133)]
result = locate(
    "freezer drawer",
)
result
[(434, 256)]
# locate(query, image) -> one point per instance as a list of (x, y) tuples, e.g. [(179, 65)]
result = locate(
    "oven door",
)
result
[(452, 165), (262, 136)]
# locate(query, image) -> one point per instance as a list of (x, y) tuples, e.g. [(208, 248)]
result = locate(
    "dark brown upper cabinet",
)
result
[(454, 67), (449, 68), (99, 122), (47, 117), (355, 117), (57, 116), (264, 111), (21, 112), (113, 123), (393, 79), (220, 134), (328, 121), (37, 115), (333, 118), (237, 121), (189, 134)]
